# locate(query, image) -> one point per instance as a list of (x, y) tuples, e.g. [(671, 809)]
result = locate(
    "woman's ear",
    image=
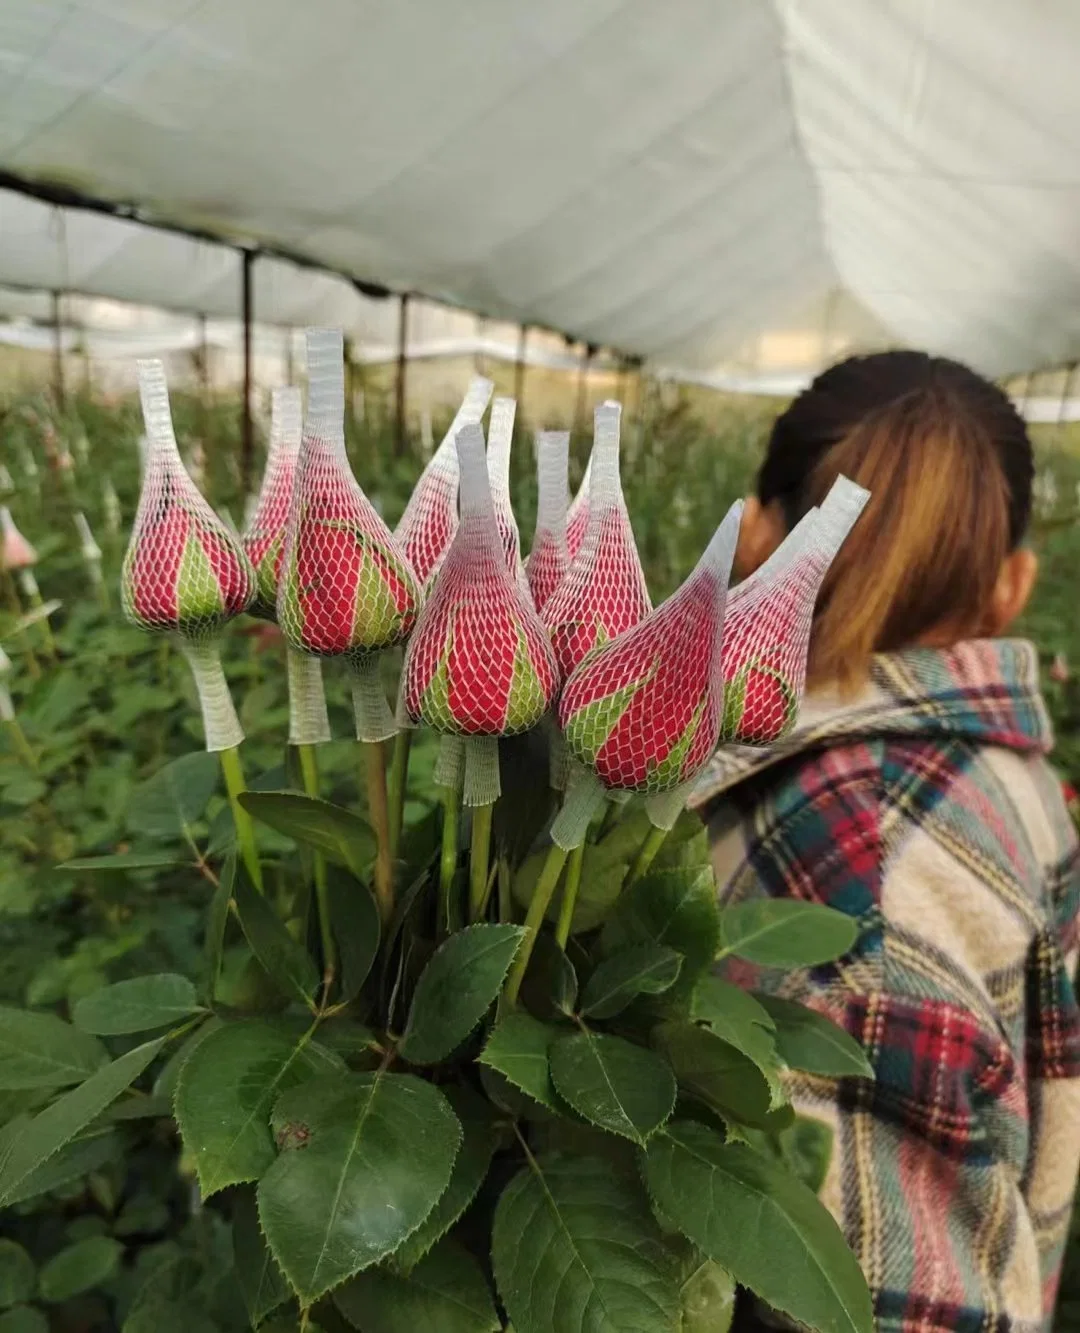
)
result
[(760, 533), (1015, 583)]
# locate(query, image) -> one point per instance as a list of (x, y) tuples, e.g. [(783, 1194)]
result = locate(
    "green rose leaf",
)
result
[(478, 1143), (809, 1041), (38, 1139), (175, 798), (445, 1293), (456, 988), (737, 1018), (285, 960), (751, 1215), (126, 861), (81, 1267), (717, 1073), (42, 1051), (23, 1319), (17, 1274), (261, 1281), (673, 909), (87, 1152), (364, 1160), (138, 1005), (225, 1093), (623, 1088), (575, 1250), (518, 1049), (341, 836), (217, 919), (782, 932), (354, 917), (643, 969)]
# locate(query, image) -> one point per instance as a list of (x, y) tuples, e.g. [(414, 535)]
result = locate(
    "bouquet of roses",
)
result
[(489, 1077)]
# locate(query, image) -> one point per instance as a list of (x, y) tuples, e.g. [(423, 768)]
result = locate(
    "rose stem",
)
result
[(309, 768), (233, 773), (545, 887), (379, 817), (397, 787), (479, 856), (569, 896)]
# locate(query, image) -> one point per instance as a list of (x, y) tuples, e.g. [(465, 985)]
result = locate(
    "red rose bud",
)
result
[(184, 570), (479, 662), (769, 618), (264, 536), (345, 585), (549, 558), (604, 591), (643, 711), (577, 516), (15, 551), (430, 519), (500, 440)]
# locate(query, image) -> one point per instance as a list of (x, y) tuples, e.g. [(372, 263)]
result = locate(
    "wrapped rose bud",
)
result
[(345, 584), (184, 570), (577, 516), (15, 551), (264, 535), (430, 519), (767, 636), (110, 503), (479, 662), (500, 440), (604, 591), (549, 558), (643, 711)]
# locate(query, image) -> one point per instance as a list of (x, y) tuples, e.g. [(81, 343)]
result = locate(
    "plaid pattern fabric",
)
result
[(926, 810)]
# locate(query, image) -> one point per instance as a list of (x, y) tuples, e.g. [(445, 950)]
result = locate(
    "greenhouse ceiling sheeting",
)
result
[(756, 185)]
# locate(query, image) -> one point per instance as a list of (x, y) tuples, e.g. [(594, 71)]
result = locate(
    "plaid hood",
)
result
[(984, 691)]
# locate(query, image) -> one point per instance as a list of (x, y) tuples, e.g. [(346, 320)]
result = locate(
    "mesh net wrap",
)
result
[(643, 711), (769, 618), (500, 442), (184, 570), (604, 591), (479, 662), (430, 519), (265, 529), (345, 585), (549, 558)]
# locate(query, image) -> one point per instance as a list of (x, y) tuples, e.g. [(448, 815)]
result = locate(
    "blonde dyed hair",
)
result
[(948, 463)]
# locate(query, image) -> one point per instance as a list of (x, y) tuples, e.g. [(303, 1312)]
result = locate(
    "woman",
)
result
[(915, 796)]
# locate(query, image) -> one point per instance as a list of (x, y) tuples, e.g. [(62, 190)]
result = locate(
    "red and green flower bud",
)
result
[(430, 519), (643, 711), (345, 585), (604, 592), (264, 536), (549, 558), (479, 662), (769, 619), (184, 570)]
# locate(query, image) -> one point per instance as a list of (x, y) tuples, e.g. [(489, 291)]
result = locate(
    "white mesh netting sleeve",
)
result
[(770, 615), (643, 711), (220, 724), (577, 516), (604, 591), (549, 558), (184, 570), (264, 533), (430, 519), (500, 443)]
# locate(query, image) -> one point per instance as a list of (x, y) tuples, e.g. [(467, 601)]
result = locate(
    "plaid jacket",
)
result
[(926, 810)]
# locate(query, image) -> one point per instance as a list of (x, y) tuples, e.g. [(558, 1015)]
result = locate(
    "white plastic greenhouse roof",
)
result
[(735, 191)]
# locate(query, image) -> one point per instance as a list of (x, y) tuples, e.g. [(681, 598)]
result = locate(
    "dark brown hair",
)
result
[(948, 462)]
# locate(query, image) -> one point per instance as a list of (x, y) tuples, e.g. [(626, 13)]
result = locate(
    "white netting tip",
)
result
[(154, 397)]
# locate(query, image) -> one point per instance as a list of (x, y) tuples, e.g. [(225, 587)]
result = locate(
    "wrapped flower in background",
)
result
[(264, 533), (346, 587), (604, 591), (549, 558), (500, 442), (16, 554), (264, 541), (479, 663), (769, 617), (7, 482), (577, 516), (430, 519), (110, 505), (643, 711)]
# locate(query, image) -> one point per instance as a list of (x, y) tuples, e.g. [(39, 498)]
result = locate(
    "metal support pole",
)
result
[(247, 431), (519, 371), (402, 365), (58, 351)]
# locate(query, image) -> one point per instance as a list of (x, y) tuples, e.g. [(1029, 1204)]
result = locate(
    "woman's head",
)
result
[(936, 555)]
